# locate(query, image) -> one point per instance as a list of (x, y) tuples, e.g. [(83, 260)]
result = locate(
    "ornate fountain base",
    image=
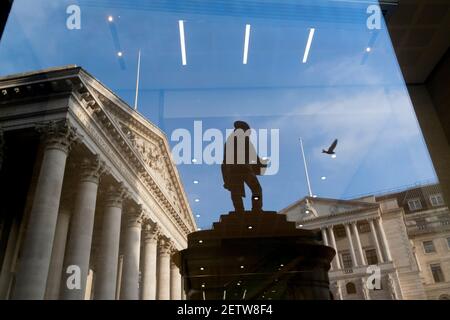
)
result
[(255, 256)]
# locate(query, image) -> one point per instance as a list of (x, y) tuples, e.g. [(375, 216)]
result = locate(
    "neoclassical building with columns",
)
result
[(364, 233), (92, 204), (404, 236)]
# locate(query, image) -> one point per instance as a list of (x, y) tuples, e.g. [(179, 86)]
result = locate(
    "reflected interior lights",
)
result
[(323, 178), (308, 44), (195, 181), (110, 18), (197, 200), (246, 42), (368, 49), (182, 43), (120, 53)]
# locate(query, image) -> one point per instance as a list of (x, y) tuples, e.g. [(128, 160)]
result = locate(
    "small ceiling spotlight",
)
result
[(203, 285), (201, 268), (242, 267), (200, 241), (250, 227)]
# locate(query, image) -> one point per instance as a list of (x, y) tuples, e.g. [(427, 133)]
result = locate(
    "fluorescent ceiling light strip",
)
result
[(246, 41), (308, 44), (182, 42)]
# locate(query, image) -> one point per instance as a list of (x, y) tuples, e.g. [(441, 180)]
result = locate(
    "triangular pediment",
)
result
[(148, 142), (311, 208)]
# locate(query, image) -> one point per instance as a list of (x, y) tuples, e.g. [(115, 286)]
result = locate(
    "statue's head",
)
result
[(241, 125)]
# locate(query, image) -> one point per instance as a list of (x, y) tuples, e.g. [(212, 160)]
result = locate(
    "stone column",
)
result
[(57, 259), (373, 231), (37, 248), (79, 243), (175, 282), (108, 254), (350, 242), (362, 258), (325, 241), (384, 239), (151, 234), (324, 236), (333, 244), (129, 289), (164, 270)]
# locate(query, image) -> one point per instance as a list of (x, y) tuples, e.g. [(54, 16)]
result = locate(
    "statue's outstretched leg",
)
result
[(253, 183), (237, 202)]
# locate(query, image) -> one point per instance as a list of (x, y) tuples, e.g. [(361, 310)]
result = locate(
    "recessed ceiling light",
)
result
[(242, 267), (308, 44), (281, 265), (120, 53), (200, 241), (110, 18), (300, 225), (250, 227), (203, 285), (323, 178), (246, 42), (201, 268), (182, 42)]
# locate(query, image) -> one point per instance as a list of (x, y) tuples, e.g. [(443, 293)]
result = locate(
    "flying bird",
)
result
[(331, 148)]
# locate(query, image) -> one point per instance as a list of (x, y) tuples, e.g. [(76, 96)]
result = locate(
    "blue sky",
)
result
[(342, 91)]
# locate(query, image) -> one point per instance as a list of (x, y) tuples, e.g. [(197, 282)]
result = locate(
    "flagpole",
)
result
[(137, 80), (306, 168)]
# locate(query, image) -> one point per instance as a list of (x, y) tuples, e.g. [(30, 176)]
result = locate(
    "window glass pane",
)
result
[(436, 270), (428, 246)]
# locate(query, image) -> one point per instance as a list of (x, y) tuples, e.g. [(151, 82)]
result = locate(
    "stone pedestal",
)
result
[(255, 256)]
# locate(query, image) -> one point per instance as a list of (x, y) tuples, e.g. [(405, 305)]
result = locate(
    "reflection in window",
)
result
[(428, 246), (436, 271), (371, 256), (436, 200), (347, 260), (350, 288), (414, 204)]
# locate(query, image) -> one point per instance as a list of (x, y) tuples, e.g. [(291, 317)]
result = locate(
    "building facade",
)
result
[(377, 238), (92, 204)]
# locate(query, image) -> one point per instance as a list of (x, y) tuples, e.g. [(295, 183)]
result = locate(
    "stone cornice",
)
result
[(78, 82), (342, 218), (132, 155)]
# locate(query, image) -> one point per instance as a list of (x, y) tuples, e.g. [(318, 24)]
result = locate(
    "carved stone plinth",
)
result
[(255, 256)]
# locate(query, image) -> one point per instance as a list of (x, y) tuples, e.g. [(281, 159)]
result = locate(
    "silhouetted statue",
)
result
[(240, 165), (331, 148)]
